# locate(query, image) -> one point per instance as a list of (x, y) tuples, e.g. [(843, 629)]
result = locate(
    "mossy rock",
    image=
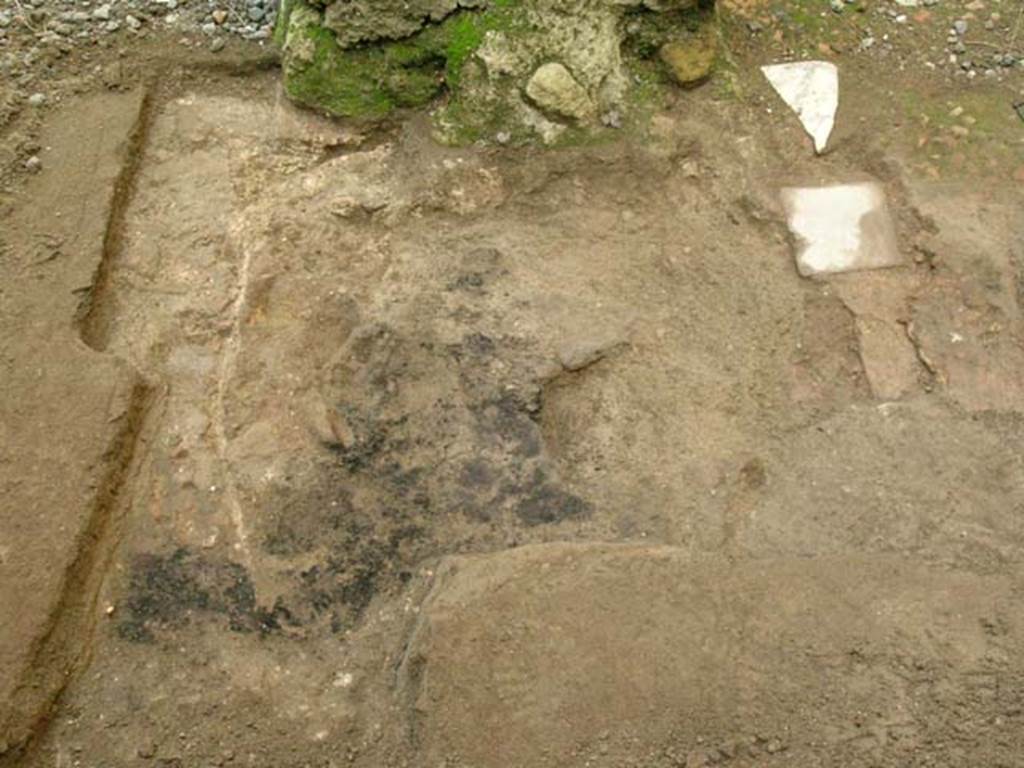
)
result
[(367, 82), (689, 62), (481, 56), (371, 80)]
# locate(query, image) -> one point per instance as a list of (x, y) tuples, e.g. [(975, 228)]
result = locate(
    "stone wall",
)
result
[(508, 70)]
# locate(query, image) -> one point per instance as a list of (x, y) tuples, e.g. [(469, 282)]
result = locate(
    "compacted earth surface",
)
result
[(325, 443)]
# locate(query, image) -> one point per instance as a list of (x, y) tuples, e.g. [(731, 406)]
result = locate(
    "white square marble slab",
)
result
[(841, 228)]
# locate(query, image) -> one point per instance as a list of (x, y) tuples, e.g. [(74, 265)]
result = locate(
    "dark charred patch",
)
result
[(360, 564), (427, 432), (299, 523), (509, 420), (168, 591), (356, 531), (470, 282), (476, 347), (477, 475), (477, 269), (375, 360), (543, 502), (753, 475), (477, 482), (550, 504), (369, 440)]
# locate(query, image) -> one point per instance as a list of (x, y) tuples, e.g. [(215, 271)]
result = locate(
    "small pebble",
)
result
[(147, 751), (612, 119), (37, 99), (34, 164), (217, 44)]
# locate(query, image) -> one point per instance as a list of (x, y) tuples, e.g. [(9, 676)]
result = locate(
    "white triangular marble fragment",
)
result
[(841, 228), (811, 89)]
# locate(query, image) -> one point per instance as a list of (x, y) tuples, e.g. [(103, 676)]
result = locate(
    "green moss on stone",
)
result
[(464, 33), (281, 25), (372, 81), (689, 63), (367, 82)]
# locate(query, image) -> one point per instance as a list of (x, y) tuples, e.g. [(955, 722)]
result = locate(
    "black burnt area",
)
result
[(508, 422), (362, 548), (406, 464), (371, 439), (543, 502), (753, 474), (477, 270), (477, 474), (342, 587), (507, 468), (299, 523), (167, 591), (475, 347)]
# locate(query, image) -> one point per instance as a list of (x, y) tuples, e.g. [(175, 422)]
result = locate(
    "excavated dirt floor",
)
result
[(327, 445)]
